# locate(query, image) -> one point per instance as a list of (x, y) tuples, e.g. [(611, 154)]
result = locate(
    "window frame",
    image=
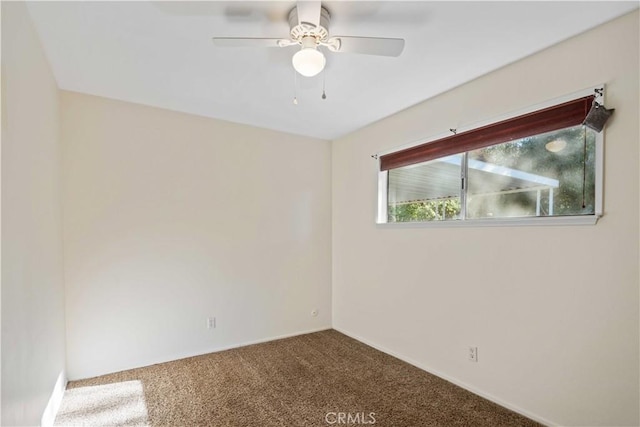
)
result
[(383, 176)]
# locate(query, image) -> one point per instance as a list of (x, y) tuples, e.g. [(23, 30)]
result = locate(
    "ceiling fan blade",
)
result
[(250, 42), (309, 12), (366, 45)]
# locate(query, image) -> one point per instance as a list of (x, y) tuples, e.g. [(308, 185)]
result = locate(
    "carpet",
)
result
[(318, 379)]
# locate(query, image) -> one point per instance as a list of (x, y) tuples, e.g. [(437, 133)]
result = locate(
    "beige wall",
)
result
[(33, 338), (553, 310), (170, 218)]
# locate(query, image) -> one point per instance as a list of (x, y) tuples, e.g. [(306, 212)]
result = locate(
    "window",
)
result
[(544, 163)]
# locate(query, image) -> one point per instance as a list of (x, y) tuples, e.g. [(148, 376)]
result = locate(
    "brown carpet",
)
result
[(302, 381)]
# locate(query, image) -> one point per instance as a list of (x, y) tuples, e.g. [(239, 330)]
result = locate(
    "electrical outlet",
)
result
[(211, 322), (473, 354)]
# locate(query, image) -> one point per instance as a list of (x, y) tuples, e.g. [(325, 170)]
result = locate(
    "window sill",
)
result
[(497, 222)]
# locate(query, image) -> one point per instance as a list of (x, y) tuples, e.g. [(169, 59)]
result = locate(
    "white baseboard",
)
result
[(263, 340), (186, 355), (50, 412), (455, 381)]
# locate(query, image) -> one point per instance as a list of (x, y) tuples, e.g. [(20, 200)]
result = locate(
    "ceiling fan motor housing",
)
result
[(305, 29)]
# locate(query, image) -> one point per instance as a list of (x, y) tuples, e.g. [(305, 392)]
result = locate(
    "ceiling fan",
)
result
[(309, 29)]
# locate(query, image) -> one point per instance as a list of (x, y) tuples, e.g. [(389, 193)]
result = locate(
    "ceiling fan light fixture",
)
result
[(308, 61), (309, 28)]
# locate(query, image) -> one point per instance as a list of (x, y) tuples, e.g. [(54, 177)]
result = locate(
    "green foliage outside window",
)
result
[(435, 210)]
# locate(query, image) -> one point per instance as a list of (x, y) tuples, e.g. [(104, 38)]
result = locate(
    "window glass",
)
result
[(550, 174), (428, 191)]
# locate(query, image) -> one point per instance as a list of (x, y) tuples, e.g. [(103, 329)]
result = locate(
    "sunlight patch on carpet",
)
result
[(121, 403)]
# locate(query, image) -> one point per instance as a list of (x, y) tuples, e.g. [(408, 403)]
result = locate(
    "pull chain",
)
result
[(324, 81), (295, 88)]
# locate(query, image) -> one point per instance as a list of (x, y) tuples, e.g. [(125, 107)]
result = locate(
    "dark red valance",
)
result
[(560, 116)]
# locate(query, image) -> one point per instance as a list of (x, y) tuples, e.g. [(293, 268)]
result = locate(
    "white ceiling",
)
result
[(161, 54)]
